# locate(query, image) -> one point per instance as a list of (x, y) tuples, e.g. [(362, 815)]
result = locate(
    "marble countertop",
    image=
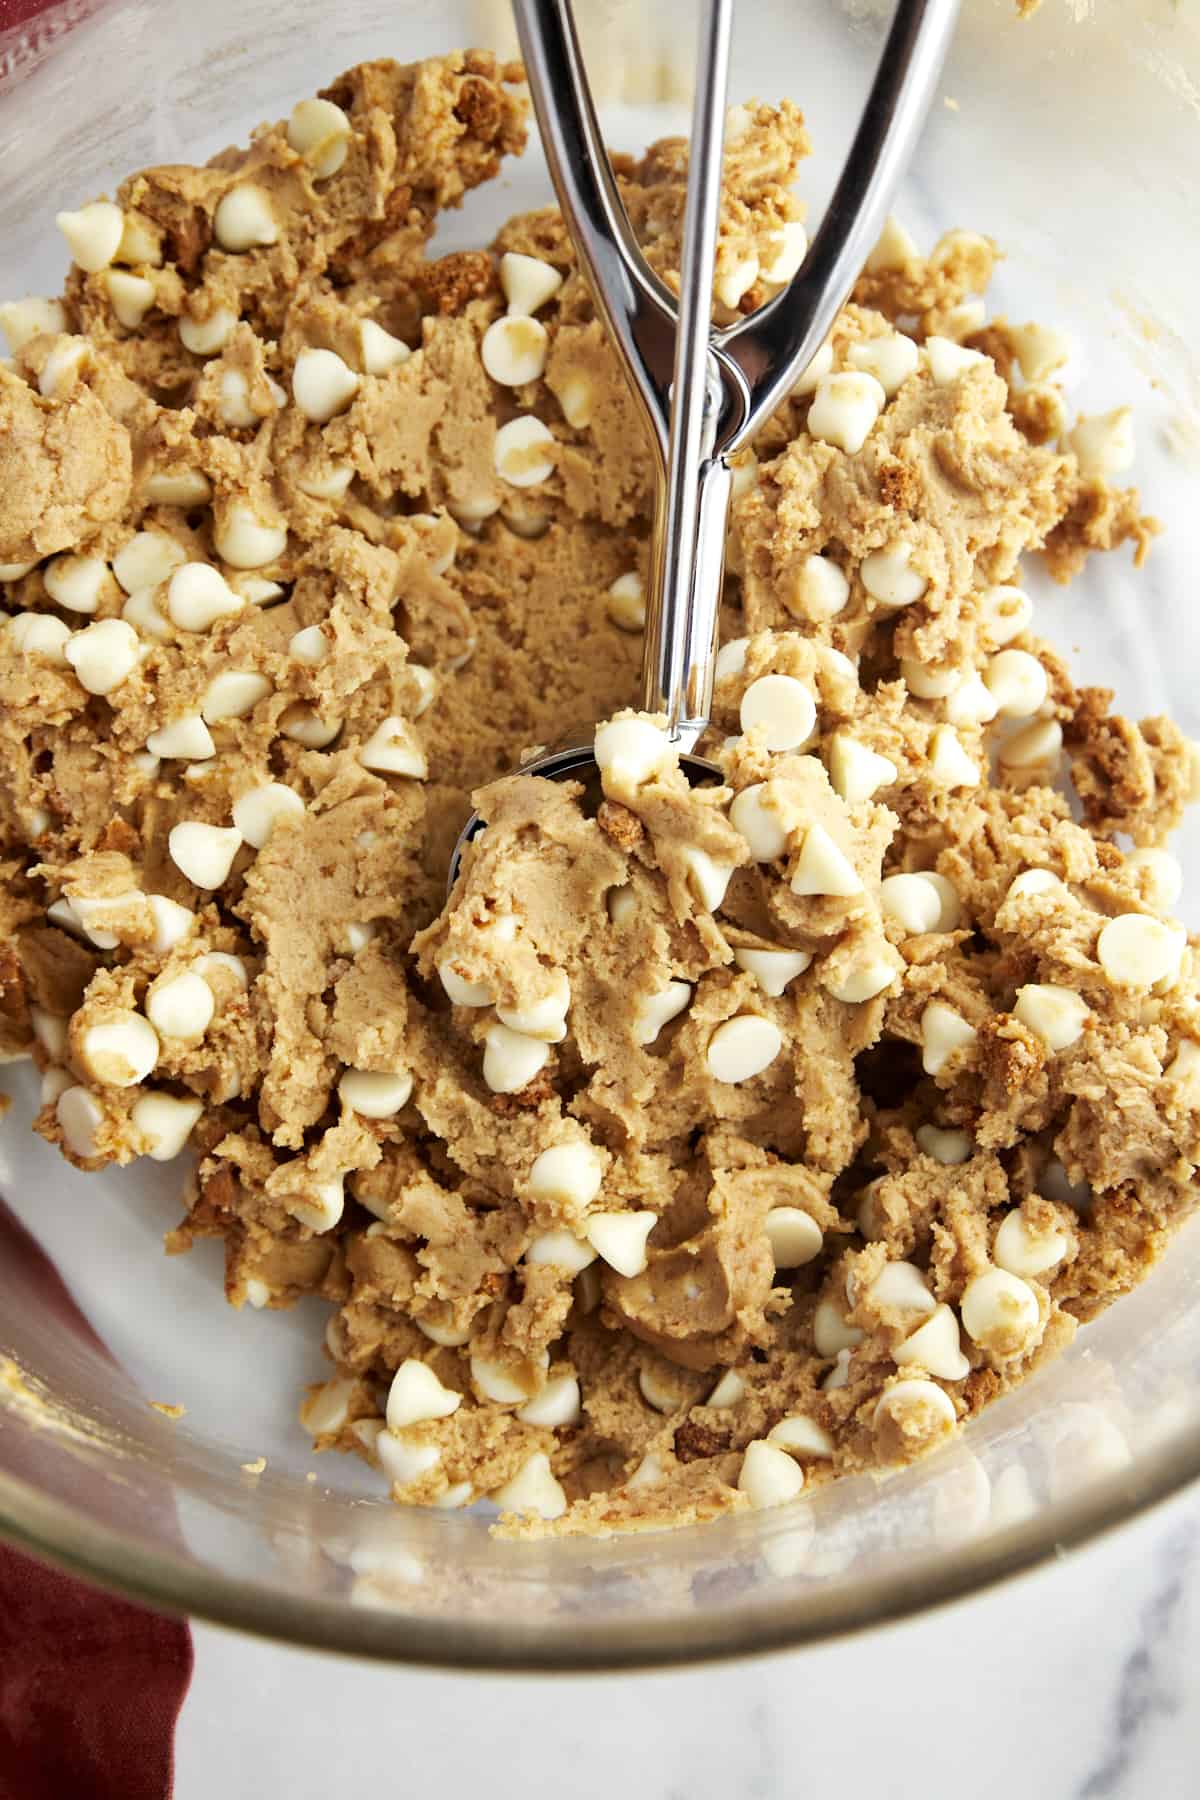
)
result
[(1081, 1682)]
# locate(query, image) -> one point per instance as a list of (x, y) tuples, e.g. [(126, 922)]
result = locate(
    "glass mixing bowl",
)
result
[(1069, 138)]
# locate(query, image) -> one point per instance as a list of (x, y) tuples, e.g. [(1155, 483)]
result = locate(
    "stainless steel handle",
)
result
[(693, 505), (724, 384), (773, 346)]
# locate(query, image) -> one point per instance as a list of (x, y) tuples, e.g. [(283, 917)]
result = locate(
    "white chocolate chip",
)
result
[(375, 1094), (1000, 1313), (970, 703), (867, 977), (902, 1286), (707, 879), (1040, 350), (234, 404), (619, 1238), (257, 812), (244, 219), (320, 132), (658, 1391), (164, 1123), (379, 351), (743, 1047), (855, 772), (103, 655), (800, 1436), (1135, 950), (1017, 683), (1034, 881), (912, 902), (232, 694), (462, 992), (304, 726), (656, 1010), (320, 1207), (845, 408), (964, 320), (1163, 876), (577, 400), (22, 320), (50, 1031), (533, 1489), (794, 1236), (745, 474), (769, 1476), (527, 282), (520, 455), (831, 1333), (1104, 444), (181, 1007), (514, 350), (559, 1403), (820, 590), (130, 296), (32, 633), (630, 752), (782, 708), (327, 1411), (1054, 1014), (736, 280), (935, 1347), (76, 582), (563, 1250), (203, 854), (789, 247), (568, 1173), (891, 360), (172, 923), (927, 682), (244, 541), (64, 366), (915, 1408), (80, 1116), (120, 1052), (205, 337), (198, 595), (895, 248), (187, 737), (731, 659), (943, 1031), (1035, 746), (148, 558), (948, 360), (496, 1381), (773, 969), (218, 965), (947, 1147), (1004, 612), (810, 378), (626, 602), (416, 1395), (889, 577), (545, 1018), (949, 765), (729, 1391), (1020, 1250), (752, 816), (822, 868), (404, 1463), (93, 234), (511, 1060), (14, 571), (394, 749), (322, 384)]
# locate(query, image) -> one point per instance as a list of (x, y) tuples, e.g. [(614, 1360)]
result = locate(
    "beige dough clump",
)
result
[(709, 1139)]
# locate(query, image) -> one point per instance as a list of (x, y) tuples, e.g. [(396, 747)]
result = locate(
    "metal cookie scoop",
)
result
[(706, 392)]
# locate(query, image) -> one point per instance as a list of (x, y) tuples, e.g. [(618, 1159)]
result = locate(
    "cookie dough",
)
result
[(709, 1140)]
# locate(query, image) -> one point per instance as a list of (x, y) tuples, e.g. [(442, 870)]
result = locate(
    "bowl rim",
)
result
[(121, 1563)]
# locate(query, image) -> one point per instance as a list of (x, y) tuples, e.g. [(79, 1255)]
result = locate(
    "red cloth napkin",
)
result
[(90, 1686)]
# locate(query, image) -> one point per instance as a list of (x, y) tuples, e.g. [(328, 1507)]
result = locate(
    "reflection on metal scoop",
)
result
[(706, 392)]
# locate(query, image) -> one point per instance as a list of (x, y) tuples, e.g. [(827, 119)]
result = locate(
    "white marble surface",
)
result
[(1081, 1682)]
